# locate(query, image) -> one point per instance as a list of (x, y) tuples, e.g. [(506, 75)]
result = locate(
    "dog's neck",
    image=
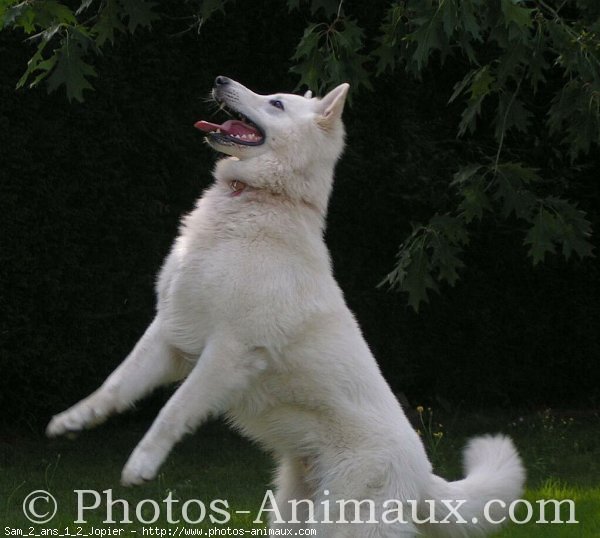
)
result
[(261, 180), (238, 187)]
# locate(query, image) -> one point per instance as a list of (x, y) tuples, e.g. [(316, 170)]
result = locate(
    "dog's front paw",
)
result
[(86, 414), (72, 421), (140, 468)]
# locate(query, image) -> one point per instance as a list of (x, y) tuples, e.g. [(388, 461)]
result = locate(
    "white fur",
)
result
[(250, 317)]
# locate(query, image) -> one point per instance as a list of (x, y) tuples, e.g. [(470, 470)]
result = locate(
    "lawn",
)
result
[(561, 453)]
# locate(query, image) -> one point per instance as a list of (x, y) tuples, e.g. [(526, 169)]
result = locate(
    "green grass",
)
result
[(562, 456)]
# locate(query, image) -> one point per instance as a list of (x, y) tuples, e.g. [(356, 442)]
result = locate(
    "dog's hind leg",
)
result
[(357, 500), (223, 371), (294, 495), (151, 363)]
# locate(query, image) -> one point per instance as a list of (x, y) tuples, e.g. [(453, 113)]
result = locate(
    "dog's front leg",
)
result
[(151, 363), (223, 370)]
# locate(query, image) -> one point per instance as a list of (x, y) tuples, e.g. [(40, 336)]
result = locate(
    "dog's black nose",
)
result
[(221, 81)]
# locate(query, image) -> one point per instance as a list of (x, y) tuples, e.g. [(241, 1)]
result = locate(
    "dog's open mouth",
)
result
[(242, 131)]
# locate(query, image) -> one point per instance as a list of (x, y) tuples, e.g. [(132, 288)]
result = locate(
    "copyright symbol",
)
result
[(39, 506)]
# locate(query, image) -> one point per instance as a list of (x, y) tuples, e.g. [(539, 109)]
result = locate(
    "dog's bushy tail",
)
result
[(494, 477)]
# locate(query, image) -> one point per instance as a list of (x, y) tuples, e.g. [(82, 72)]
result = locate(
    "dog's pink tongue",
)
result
[(206, 126), (230, 127)]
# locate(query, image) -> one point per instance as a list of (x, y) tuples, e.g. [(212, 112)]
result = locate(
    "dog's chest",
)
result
[(246, 279)]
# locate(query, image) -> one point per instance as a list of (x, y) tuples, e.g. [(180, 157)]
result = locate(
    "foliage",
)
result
[(50, 23), (516, 51), (330, 53), (527, 72), (91, 196), (431, 253)]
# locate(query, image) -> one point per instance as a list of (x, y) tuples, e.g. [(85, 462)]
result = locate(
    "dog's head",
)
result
[(281, 143), (284, 125)]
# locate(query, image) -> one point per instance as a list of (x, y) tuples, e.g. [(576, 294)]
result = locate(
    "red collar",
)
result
[(237, 187)]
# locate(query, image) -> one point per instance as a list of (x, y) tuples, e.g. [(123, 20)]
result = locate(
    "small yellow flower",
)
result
[(438, 435), (420, 409)]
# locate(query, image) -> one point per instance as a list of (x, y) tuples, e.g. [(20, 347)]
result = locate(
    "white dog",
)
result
[(250, 317)]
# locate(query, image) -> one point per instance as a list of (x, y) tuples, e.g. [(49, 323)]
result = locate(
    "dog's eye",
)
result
[(276, 103)]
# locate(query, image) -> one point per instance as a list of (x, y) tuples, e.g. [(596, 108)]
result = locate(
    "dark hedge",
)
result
[(91, 195)]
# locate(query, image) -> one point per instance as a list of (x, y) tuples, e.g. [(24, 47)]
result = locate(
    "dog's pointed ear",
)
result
[(331, 106), (308, 94)]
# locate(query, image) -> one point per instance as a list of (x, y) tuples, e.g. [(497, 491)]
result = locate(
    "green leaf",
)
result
[(427, 38), (575, 114), (309, 43), (391, 45), (448, 235), (20, 16), (51, 12), (139, 13), (44, 69), (445, 259), (472, 186), (475, 201), (480, 87), (540, 236), (310, 59), (465, 173), (510, 114), (209, 7), (510, 181), (108, 23), (418, 278), (468, 117), (468, 19), (35, 63), (38, 63), (459, 87), (481, 83), (511, 64), (330, 54), (32, 16), (524, 174), (515, 14), (412, 273), (71, 70), (449, 13), (430, 253), (386, 59), (451, 227), (350, 36), (517, 201), (395, 279), (573, 230), (559, 222)]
